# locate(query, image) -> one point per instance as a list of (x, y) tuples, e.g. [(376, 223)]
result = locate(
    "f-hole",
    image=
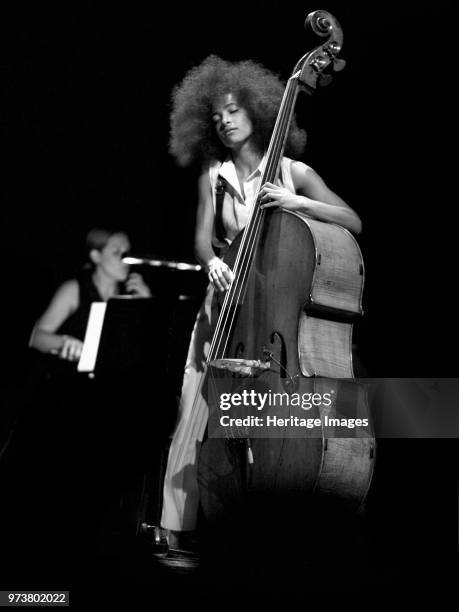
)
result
[(279, 353)]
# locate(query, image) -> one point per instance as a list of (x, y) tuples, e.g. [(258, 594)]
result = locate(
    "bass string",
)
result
[(247, 237), (245, 253), (250, 237)]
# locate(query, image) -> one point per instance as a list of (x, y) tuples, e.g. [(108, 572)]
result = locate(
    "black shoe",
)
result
[(186, 541), (156, 539)]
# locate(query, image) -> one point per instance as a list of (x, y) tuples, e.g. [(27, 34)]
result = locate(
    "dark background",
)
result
[(89, 106), (91, 96)]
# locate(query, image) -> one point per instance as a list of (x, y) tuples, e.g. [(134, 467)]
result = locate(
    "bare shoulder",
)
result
[(63, 303), (67, 295), (204, 180), (204, 191), (70, 289), (303, 175)]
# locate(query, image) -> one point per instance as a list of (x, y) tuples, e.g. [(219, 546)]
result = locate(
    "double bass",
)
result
[(286, 322)]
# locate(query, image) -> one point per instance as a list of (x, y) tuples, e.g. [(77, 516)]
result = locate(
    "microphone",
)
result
[(146, 260)]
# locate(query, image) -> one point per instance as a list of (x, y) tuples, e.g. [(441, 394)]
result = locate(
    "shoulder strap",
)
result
[(220, 189)]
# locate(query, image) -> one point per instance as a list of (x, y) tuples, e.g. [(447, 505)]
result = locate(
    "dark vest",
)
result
[(76, 324)]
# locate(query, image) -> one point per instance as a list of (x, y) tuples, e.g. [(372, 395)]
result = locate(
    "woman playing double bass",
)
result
[(222, 118)]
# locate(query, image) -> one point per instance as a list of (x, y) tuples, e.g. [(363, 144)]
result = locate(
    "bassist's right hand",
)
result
[(219, 273)]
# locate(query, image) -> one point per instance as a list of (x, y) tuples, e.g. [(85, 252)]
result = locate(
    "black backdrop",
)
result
[(90, 100), (91, 96)]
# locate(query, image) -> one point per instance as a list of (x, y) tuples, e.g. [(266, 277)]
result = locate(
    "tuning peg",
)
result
[(338, 64), (319, 62)]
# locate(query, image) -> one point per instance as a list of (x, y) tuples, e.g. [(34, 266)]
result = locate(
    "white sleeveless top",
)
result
[(236, 207)]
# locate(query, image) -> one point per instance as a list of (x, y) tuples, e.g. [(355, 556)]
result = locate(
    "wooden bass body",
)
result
[(303, 292)]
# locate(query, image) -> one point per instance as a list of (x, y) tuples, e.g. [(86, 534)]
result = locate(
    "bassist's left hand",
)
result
[(273, 195)]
